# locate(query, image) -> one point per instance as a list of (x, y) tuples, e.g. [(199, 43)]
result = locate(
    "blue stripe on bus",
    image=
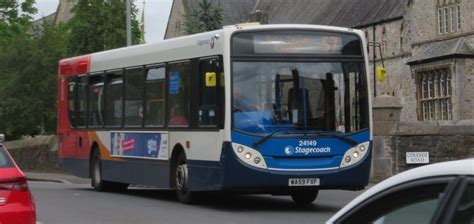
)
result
[(331, 150)]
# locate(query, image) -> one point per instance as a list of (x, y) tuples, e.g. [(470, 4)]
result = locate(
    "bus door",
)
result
[(67, 124)]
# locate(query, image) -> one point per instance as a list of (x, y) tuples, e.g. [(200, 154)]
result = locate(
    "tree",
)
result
[(99, 25), (28, 93), (207, 17), (15, 18)]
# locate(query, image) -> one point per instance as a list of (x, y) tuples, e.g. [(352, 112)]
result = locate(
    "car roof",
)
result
[(452, 168)]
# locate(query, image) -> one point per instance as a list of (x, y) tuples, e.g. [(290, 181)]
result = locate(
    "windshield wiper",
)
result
[(266, 137), (345, 139), (348, 140)]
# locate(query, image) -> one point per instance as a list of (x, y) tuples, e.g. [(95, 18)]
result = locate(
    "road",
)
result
[(78, 204)]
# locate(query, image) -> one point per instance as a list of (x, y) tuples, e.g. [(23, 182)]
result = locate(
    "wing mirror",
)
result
[(2, 138)]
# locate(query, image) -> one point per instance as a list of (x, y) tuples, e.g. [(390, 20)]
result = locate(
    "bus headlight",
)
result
[(249, 156), (355, 154)]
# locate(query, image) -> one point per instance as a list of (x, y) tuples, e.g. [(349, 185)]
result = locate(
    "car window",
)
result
[(4, 159), (415, 205), (464, 213)]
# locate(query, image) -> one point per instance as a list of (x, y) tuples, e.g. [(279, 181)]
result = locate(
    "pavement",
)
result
[(56, 177)]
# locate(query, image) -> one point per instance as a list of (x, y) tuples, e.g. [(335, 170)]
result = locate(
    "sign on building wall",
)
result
[(417, 157)]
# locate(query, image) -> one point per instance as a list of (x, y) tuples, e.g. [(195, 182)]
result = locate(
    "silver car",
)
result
[(437, 193)]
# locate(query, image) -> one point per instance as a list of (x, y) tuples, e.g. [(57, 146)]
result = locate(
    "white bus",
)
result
[(275, 109)]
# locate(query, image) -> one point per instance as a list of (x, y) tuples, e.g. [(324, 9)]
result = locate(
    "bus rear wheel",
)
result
[(182, 182), (96, 177), (304, 197)]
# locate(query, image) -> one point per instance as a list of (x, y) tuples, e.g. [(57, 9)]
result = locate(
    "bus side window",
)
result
[(81, 102), (209, 84), (155, 97), (96, 99), (71, 98), (114, 99), (179, 76), (134, 81)]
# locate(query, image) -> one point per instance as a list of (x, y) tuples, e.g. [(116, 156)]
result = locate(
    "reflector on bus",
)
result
[(74, 66)]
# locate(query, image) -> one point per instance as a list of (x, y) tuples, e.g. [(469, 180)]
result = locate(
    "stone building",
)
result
[(62, 14), (427, 50)]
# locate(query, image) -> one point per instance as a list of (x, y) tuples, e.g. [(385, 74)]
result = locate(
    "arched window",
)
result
[(449, 16), (401, 36), (384, 40)]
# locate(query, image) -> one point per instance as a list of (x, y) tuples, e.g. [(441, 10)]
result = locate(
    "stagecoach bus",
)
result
[(274, 109)]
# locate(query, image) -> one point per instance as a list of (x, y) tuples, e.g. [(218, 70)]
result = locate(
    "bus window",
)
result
[(114, 99), (134, 81), (155, 97), (96, 99), (71, 98), (179, 76), (208, 92), (81, 105)]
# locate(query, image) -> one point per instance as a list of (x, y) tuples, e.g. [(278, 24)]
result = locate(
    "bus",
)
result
[(250, 108)]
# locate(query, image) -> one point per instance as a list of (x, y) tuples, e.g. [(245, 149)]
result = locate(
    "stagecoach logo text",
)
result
[(210, 42), (306, 147)]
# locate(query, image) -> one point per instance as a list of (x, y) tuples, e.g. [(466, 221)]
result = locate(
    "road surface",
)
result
[(59, 203)]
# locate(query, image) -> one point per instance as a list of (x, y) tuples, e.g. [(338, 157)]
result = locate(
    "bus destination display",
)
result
[(297, 44)]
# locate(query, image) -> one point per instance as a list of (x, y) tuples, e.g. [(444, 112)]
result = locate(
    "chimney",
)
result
[(259, 16)]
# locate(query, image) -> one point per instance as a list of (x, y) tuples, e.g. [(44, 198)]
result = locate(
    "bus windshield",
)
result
[(299, 97)]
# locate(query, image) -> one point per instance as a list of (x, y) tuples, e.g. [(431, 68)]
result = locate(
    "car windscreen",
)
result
[(5, 161)]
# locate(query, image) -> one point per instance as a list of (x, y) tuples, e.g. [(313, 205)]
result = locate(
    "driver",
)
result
[(242, 102)]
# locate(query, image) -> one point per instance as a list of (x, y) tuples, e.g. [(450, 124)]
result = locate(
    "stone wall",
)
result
[(390, 151), (38, 154)]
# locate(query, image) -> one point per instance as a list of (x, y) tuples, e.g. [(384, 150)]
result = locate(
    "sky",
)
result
[(156, 15)]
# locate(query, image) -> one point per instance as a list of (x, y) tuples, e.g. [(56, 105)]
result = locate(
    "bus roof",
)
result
[(180, 48)]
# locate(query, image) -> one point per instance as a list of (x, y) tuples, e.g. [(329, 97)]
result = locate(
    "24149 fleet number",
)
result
[(303, 143)]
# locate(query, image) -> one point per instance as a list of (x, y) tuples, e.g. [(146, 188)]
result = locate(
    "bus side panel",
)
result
[(137, 171), (142, 171), (77, 167), (78, 163)]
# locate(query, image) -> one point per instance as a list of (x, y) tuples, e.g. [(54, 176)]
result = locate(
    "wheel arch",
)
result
[(94, 148), (177, 150)]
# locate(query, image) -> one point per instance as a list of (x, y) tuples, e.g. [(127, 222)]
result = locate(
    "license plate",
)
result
[(303, 182)]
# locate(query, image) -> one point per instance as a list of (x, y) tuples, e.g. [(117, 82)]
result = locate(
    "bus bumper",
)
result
[(231, 174)]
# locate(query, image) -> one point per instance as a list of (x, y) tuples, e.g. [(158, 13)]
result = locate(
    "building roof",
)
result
[(235, 11), (345, 13), (457, 47)]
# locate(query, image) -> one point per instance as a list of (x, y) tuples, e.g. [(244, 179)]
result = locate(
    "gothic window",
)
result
[(449, 16), (440, 20), (401, 37), (434, 94), (384, 40), (458, 12)]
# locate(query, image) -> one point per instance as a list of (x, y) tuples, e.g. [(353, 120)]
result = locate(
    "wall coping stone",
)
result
[(435, 128), (386, 101)]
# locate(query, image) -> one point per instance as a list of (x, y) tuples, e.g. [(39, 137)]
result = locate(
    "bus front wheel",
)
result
[(304, 197), (182, 182), (96, 177)]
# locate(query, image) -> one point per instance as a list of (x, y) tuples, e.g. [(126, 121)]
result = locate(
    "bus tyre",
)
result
[(96, 177), (182, 182), (304, 197)]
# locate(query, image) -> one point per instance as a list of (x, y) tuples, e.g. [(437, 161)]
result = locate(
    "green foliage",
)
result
[(28, 90), (207, 17), (29, 56), (99, 25), (12, 22)]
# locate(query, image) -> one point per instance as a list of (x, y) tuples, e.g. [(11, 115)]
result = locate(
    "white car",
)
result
[(438, 193)]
